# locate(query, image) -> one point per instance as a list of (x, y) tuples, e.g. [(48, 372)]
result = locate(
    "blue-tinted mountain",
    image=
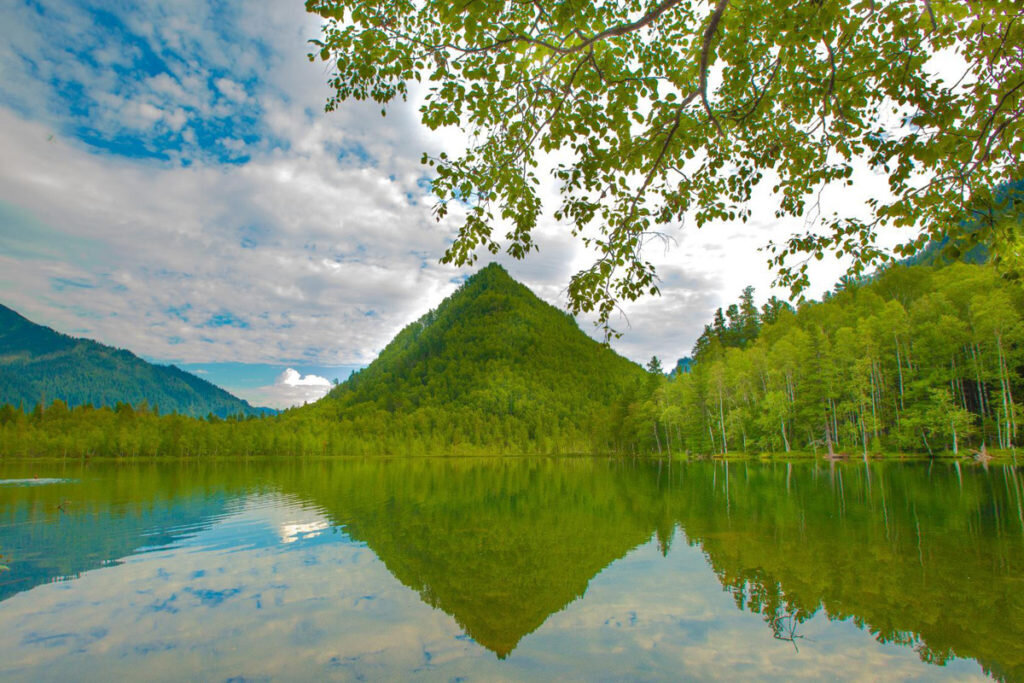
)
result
[(38, 364)]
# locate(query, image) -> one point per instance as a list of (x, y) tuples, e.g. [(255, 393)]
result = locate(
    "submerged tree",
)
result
[(661, 109)]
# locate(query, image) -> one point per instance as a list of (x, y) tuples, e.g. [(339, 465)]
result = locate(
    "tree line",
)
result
[(918, 359)]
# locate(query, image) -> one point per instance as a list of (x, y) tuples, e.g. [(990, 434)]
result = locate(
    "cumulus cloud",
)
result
[(292, 378), (291, 388), (192, 183)]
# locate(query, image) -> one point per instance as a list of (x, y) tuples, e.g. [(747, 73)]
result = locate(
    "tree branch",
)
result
[(716, 17), (661, 155), (612, 32), (931, 15)]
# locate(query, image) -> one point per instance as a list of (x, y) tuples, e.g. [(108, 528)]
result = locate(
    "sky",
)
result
[(170, 184)]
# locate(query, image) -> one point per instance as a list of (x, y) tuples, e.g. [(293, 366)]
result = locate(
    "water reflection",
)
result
[(513, 568), (57, 531), (923, 555), (499, 545)]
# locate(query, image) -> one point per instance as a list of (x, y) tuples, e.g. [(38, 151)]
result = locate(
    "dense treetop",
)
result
[(658, 110), (918, 359)]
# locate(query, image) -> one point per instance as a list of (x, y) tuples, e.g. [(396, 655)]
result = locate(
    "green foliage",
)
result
[(493, 370), (802, 94), (38, 365), (918, 359)]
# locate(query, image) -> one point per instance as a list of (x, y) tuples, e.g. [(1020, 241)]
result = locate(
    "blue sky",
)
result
[(170, 184)]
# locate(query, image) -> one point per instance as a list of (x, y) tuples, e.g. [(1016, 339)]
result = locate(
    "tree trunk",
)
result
[(874, 415), (863, 433), (1007, 394), (828, 434), (835, 422), (721, 421), (982, 403), (899, 367)]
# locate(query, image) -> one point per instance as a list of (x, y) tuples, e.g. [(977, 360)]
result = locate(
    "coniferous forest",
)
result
[(38, 364), (918, 360), (824, 483)]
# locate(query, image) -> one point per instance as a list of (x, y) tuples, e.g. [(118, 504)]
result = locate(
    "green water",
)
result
[(512, 569)]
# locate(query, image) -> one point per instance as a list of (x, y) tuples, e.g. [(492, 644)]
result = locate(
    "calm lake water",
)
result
[(510, 569)]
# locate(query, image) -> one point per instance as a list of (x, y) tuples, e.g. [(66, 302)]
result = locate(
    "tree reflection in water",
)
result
[(925, 555)]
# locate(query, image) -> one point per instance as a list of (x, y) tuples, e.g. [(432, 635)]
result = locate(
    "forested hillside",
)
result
[(38, 364), (492, 369), (919, 359)]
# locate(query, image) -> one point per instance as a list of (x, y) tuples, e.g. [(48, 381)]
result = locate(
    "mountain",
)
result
[(492, 370), (683, 366), (942, 253), (40, 364)]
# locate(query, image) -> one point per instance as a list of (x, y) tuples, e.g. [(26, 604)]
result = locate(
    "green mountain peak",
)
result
[(493, 369)]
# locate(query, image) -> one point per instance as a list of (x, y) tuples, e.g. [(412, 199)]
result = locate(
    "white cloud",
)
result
[(291, 388), (274, 233), (318, 262), (231, 89), (292, 378)]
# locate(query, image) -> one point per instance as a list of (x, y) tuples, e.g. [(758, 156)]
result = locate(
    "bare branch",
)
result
[(983, 137), (612, 32)]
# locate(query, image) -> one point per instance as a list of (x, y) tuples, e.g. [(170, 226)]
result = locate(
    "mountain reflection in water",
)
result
[(288, 569)]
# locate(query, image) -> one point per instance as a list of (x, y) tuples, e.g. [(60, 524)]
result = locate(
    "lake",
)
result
[(510, 569)]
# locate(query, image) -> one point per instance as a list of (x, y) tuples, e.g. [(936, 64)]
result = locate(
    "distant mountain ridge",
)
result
[(492, 369), (39, 364)]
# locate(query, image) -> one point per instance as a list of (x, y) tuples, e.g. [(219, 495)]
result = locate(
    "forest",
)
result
[(493, 370), (917, 360), (40, 364)]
